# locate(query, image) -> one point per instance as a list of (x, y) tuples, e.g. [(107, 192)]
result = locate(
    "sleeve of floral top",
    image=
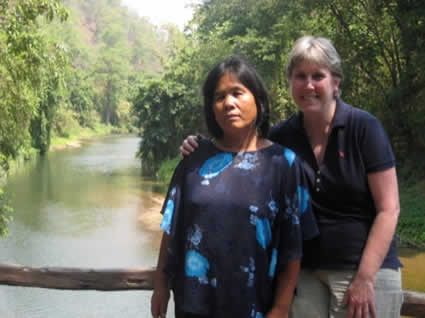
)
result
[(297, 219), (171, 220)]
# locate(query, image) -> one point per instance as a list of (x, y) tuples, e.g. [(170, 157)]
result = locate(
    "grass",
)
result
[(411, 226), (166, 170), (79, 133)]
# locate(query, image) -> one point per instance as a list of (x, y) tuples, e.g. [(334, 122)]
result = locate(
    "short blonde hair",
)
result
[(318, 50)]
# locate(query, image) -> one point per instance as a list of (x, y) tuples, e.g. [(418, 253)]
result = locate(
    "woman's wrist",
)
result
[(161, 279)]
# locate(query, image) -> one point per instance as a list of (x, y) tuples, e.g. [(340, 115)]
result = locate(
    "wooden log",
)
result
[(77, 278), (413, 304), (126, 279)]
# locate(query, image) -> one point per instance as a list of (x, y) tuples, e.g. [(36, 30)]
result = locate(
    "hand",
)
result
[(159, 302), (277, 312), (189, 145), (360, 298)]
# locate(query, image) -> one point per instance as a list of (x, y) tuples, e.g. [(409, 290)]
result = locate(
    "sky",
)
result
[(162, 11)]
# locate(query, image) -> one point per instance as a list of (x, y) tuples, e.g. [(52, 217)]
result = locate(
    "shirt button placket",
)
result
[(318, 181)]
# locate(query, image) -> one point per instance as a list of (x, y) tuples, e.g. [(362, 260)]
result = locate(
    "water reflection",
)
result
[(413, 273)]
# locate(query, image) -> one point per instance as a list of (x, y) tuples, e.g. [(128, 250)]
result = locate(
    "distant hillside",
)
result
[(99, 24)]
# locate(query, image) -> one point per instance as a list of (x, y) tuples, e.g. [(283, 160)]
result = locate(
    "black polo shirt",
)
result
[(341, 197)]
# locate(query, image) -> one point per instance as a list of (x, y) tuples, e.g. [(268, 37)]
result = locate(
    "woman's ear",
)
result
[(336, 82)]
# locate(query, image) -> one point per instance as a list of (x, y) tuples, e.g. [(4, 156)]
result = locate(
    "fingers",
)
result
[(160, 312), (357, 309), (185, 150), (192, 140), (373, 311), (189, 145), (163, 310)]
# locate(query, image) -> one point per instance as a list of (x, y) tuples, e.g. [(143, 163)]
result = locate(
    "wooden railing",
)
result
[(126, 279)]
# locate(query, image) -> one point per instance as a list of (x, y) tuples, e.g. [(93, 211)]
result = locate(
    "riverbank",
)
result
[(77, 136), (74, 139), (150, 218)]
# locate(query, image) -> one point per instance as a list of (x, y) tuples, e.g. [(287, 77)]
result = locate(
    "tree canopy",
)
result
[(381, 43), (69, 64)]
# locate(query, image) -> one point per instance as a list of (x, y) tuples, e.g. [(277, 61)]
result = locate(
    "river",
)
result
[(82, 207), (89, 207)]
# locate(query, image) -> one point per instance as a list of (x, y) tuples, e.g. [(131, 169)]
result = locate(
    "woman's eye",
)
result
[(318, 76), (218, 98), (300, 76)]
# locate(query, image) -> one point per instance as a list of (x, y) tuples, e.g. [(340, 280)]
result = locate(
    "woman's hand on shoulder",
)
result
[(189, 145), (360, 299)]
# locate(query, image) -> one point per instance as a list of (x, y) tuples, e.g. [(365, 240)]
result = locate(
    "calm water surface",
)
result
[(80, 208)]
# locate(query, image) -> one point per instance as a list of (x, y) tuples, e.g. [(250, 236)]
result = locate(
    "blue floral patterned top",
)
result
[(234, 220)]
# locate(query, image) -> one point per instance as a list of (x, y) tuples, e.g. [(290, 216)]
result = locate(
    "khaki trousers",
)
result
[(320, 293)]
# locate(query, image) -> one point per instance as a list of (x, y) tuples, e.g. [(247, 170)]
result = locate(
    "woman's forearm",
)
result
[(377, 245), (160, 276), (384, 189), (286, 282)]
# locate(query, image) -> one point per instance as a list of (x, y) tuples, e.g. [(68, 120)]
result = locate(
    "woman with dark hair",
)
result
[(236, 211), (351, 269)]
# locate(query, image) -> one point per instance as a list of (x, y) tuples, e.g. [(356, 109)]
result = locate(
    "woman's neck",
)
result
[(319, 123), (241, 143)]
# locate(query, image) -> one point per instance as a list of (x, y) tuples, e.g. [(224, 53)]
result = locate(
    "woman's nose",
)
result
[(229, 101), (309, 82)]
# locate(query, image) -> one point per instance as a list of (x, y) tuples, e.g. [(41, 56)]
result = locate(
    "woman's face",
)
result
[(234, 106), (313, 87)]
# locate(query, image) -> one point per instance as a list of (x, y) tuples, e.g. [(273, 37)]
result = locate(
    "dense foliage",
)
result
[(66, 65), (381, 42)]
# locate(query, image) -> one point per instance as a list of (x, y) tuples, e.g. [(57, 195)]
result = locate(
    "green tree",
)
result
[(156, 107), (28, 64)]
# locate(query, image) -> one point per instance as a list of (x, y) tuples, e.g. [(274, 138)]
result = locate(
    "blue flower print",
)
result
[(168, 216), (203, 280), (253, 208), (256, 314), (250, 269), (195, 236), (196, 265), (264, 232), (213, 282), (173, 192), (298, 205), (303, 198), (290, 156), (273, 263), (214, 165), (274, 208), (292, 209), (253, 217), (247, 161)]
